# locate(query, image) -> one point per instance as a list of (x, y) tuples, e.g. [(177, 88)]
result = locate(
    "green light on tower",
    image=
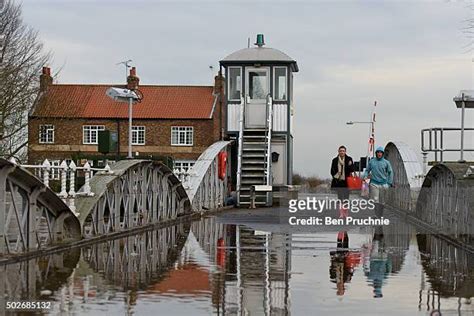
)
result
[(260, 41)]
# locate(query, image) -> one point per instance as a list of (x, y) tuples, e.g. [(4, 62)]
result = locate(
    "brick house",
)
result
[(175, 121)]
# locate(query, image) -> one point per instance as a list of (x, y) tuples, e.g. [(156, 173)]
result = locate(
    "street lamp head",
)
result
[(467, 96), (121, 94), (350, 123)]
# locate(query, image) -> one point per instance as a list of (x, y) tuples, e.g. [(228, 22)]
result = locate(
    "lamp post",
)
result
[(371, 149), (465, 100), (372, 137), (125, 95)]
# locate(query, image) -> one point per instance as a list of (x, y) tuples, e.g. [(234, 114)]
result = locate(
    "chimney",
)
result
[(132, 79), (45, 79), (219, 82)]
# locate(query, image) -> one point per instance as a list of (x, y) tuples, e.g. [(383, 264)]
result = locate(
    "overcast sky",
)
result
[(411, 56)]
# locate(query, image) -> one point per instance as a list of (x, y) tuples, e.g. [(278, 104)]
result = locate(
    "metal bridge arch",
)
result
[(446, 200), (137, 193), (32, 216), (408, 175), (204, 188)]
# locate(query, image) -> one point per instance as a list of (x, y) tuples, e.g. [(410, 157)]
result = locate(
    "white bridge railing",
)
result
[(201, 182), (182, 174), (67, 177)]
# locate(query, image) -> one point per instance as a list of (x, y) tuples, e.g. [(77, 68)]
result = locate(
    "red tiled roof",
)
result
[(159, 102)]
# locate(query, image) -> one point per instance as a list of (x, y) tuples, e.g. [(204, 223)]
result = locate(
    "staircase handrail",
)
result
[(240, 145), (268, 138)]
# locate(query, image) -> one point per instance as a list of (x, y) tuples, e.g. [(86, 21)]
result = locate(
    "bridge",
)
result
[(441, 201), (135, 194), (130, 195)]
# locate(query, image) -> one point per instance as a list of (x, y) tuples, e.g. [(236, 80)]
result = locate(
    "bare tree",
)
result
[(21, 59)]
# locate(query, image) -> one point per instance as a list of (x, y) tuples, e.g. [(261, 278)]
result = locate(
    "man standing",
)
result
[(342, 166), (380, 173)]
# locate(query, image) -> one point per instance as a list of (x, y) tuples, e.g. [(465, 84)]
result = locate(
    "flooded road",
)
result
[(242, 263)]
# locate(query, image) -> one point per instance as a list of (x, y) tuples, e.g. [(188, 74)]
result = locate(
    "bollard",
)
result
[(47, 167), (252, 197), (63, 168), (72, 178)]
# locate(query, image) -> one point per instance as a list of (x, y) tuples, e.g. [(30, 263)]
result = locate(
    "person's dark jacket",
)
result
[(348, 169)]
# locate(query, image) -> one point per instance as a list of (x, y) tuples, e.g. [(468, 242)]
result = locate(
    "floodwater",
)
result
[(247, 263)]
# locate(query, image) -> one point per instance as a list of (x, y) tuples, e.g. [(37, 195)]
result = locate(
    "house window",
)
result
[(280, 84), (183, 164), (46, 134), (182, 135), (235, 83), (90, 134), (138, 135)]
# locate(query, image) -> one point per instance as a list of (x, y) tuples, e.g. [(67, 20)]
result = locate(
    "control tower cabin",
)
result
[(259, 89)]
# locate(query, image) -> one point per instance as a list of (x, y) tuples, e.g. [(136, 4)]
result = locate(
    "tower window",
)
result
[(280, 85), (235, 83)]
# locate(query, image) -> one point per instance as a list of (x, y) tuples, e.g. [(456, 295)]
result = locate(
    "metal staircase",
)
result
[(254, 160)]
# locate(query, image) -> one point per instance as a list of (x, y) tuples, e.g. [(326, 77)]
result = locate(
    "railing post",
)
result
[(462, 129), (441, 135), (72, 178), (47, 168), (425, 162), (422, 140), (63, 193), (87, 176), (430, 146), (240, 150)]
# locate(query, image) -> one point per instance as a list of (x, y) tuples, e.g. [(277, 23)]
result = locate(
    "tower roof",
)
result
[(259, 54)]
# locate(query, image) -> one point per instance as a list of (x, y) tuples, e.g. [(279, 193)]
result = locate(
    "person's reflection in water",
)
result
[(380, 264), (343, 263)]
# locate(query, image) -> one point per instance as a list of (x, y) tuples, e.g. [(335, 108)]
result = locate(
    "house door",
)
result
[(257, 87)]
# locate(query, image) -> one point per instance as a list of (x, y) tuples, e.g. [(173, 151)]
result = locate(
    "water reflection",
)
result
[(210, 267), (261, 281), (343, 262), (379, 262), (449, 272), (137, 261), (36, 279)]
